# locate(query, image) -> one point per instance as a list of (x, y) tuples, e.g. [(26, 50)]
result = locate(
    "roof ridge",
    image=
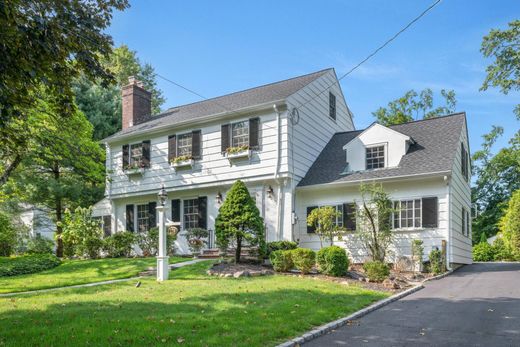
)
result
[(243, 90), (432, 118)]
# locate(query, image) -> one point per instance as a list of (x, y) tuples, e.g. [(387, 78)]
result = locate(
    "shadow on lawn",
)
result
[(236, 317)]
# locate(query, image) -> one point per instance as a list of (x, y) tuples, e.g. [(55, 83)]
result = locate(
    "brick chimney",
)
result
[(137, 103)]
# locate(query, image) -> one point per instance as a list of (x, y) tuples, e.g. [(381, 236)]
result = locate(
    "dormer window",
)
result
[(375, 157)]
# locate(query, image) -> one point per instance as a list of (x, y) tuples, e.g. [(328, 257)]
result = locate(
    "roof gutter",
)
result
[(211, 117), (378, 179)]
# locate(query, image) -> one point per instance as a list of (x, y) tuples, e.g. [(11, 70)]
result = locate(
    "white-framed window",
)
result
[(465, 222), (240, 134), (136, 154), (339, 218), (191, 213), (142, 218), (407, 214), (375, 157), (184, 143)]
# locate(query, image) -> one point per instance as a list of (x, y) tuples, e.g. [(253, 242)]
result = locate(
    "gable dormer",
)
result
[(376, 147)]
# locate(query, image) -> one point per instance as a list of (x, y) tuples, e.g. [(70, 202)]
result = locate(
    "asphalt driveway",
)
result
[(478, 305)]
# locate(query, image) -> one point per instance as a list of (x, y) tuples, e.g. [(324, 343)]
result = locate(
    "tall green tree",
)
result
[(64, 167), (503, 46), (102, 104), (239, 220), (413, 105), (510, 225), (44, 45), (497, 177)]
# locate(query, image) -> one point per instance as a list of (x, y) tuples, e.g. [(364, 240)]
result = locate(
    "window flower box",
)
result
[(182, 162), (238, 152), (134, 170)]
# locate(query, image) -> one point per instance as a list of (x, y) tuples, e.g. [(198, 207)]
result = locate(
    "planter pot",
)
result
[(184, 164), (239, 155), (135, 171)]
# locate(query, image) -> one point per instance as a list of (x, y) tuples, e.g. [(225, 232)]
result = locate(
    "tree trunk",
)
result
[(9, 169), (238, 250), (58, 207)]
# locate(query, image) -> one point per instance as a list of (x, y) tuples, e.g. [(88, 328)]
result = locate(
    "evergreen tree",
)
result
[(239, 220)]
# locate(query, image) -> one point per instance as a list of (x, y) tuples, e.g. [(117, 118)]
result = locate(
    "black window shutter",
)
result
[(310, 228), (152, 220), (203, 212), (430, 212), (349, 216), (107, 225), (126, 159), (254, 133), (172, 147), (130, 217), (146, 153), (225, 137), (176, 210), (196, 144)]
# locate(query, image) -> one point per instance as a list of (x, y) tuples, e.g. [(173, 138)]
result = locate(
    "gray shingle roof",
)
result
[(226, 103), (436, 142)]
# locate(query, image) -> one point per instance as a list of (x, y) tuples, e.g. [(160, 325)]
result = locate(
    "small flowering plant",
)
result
[(196, 239), (134, 166), (238, 149), (180, 159)]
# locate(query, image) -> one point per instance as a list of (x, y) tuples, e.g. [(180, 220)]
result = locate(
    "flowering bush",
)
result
[(238, 149), (195, 237), (181, 158)]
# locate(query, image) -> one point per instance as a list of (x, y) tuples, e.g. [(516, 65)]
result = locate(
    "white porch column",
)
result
[(163, 268)]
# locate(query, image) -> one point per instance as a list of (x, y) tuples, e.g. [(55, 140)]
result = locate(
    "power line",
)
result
[(386, 43)]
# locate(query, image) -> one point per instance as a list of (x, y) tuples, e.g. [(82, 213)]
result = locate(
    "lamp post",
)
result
[(162, 259)]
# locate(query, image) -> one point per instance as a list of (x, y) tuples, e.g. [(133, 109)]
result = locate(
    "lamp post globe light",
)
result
[(162, 258)]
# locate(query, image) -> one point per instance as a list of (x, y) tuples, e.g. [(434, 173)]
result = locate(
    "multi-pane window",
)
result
[(142, 218), (332, 106), (240, 134), (184, 145), (466, 221), (407, 214), (191, 213), (339, 218), (136, 154), (375, 157)]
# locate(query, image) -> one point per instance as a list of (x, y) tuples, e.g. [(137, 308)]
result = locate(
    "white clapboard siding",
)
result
[(315, 128), (460, 196), (212, 167), (407, 189)]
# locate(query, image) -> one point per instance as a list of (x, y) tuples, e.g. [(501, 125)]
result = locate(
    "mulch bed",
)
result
[(230, 269)]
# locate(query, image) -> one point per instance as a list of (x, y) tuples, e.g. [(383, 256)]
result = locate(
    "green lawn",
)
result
[(190, 309), (72, 272)]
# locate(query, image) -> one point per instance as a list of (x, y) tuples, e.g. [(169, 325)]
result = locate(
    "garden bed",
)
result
[(230, 269)]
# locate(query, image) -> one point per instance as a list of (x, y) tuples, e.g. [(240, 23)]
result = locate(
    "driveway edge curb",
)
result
[(438, 277), (321, 330)]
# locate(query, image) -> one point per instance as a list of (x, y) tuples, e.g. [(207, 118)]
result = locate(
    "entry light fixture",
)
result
[(162, 195), (270, 192)]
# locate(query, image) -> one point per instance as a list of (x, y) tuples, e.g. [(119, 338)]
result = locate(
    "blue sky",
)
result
[(218, 47)]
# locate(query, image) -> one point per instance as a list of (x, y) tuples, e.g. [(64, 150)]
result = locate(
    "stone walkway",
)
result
[(172, 266)]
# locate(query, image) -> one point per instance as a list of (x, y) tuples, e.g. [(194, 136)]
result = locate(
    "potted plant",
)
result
[(238, 152), (196, 238), (134, 168), (182, 161)]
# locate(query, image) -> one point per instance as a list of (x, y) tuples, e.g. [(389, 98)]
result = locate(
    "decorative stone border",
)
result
[(321, 330)]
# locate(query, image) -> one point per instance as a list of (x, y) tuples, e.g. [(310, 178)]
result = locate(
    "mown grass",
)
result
[(191, 309), (72, 272)]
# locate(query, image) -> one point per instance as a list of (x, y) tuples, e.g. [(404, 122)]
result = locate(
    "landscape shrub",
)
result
[(82, 234), (332, 261), (281, 260), (149, 241), (483, 252), (501, 251), (8, 237), (119, 244), (27, 264), (304, 259), (40, 245), (436, 266), (280, 246), (376, 271)]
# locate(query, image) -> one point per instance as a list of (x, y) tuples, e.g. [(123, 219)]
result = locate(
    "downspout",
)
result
[(276, 171), (449, 247)]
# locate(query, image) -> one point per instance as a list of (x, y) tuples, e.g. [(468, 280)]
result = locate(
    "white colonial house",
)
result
[(295, 146)]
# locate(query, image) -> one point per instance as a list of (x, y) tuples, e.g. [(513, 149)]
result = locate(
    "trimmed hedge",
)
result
[(27, 264), (280, 246), (483, 252), (304, 259), (376, 271), (119, 244), (281, 260), (332, 261)]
